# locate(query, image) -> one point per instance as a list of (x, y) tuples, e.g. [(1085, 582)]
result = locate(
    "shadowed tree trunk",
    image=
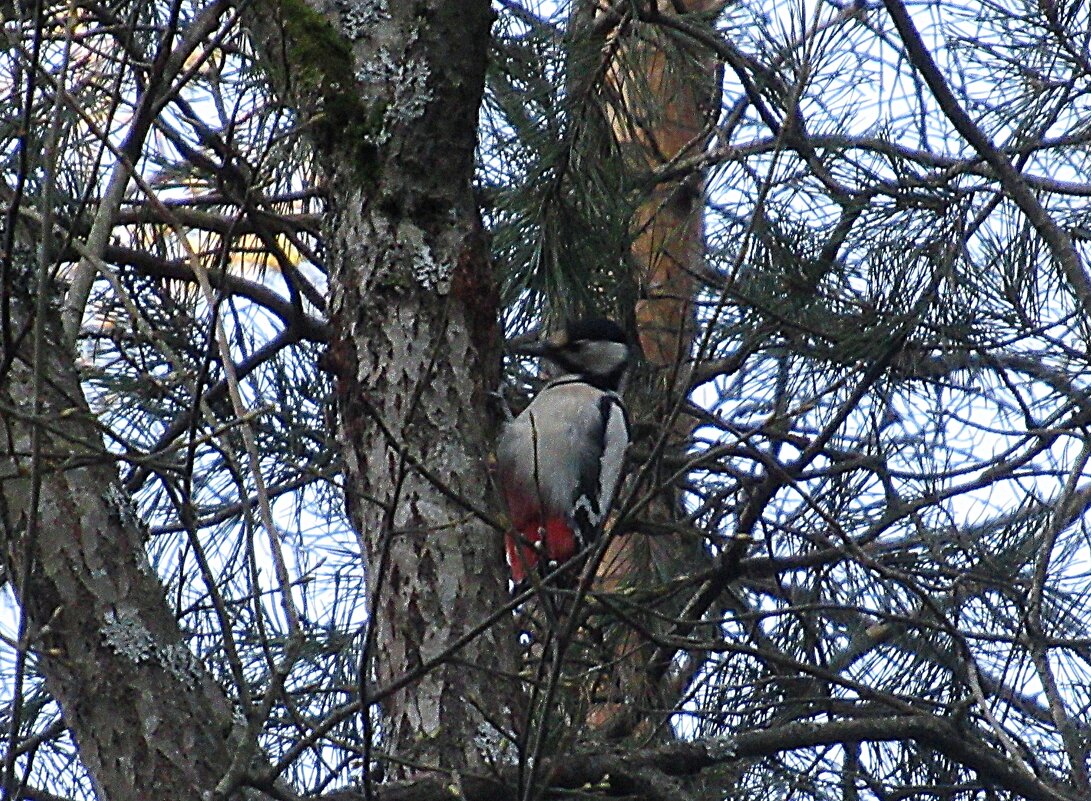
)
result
[(149, 720), (660, 93)]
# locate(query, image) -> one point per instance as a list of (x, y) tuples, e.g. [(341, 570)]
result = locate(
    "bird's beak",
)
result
[(535, 347), (542, 347)]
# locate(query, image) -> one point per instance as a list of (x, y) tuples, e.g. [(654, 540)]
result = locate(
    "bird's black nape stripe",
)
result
[(612, 380)]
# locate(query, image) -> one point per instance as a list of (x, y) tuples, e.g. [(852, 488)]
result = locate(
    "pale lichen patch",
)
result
[(427, 271), (127, 636), (720, 747), (379, 70), (359, 16), (412, 93), (401, 80), (495, 746)]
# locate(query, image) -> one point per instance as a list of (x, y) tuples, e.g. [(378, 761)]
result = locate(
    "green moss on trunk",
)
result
[(322, 78)]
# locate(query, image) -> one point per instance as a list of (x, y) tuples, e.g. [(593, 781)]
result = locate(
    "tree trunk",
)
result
[(148, 719), (659, 111), (415, 349)]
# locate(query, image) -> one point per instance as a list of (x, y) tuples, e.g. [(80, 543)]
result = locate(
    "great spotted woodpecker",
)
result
[(560, 461)]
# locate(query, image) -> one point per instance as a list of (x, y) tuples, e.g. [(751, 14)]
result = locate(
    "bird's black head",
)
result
[(595, 349)]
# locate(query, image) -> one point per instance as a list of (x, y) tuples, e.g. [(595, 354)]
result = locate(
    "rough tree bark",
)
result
[(148, 719), (415, 349)]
